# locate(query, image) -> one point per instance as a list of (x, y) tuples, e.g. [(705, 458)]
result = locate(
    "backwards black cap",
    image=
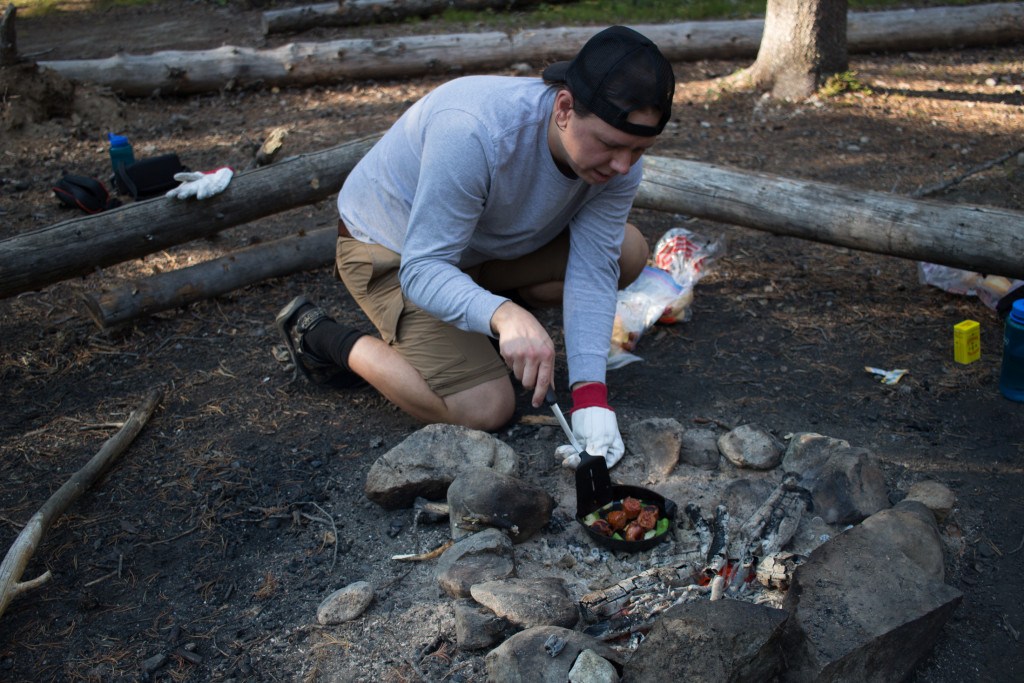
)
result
[(616, 72)]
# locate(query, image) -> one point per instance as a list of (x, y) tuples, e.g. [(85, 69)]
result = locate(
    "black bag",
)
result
[(149, 177), (87, 194)]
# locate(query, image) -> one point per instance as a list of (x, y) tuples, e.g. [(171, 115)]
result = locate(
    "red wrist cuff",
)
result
[(590, 396)]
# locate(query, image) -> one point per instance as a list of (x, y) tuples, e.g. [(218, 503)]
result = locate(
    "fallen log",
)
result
[(977, 238), (25, 544), (980, 239), (357, 12), (181, 72), (212, 278), (75, 247)]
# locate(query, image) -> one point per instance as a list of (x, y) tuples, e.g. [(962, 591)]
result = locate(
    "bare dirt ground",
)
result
[(208, 543)]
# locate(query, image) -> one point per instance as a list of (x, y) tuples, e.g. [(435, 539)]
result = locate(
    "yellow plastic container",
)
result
[(966, 342)]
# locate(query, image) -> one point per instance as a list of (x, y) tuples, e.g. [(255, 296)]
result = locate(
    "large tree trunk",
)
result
[(8, 38), (77, 246), (176, 72), (804, 43), (982, 239)]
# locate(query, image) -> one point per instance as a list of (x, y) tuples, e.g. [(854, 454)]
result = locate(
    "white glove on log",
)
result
[(201, 185), (594, 426)]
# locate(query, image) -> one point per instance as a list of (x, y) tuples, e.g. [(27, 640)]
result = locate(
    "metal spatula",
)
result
[(593, 484)]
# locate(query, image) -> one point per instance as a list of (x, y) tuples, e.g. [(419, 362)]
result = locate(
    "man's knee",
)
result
[(487, 407), (635, 253)]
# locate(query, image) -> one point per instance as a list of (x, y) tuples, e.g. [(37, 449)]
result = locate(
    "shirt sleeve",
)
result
[(592, 276), (453, 186)]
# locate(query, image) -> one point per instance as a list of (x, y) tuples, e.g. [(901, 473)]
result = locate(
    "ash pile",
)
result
[(788, 559)]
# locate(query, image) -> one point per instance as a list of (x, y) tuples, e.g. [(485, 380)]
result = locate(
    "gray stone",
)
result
[(476, 626), (657, 440), (427, 462), (723, 640), (490, 498), (699, 448), (523, 659), (542, 601), (910, 526), (808, 451), (484, 556), (751, 446), (151, 664), (861, 609), (936, 496), (591, 667), (849, 487), (345, 604)]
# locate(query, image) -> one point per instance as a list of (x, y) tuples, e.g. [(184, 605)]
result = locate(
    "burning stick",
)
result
[(419, 557), (619, 597), (718, 553), (774, 523), (699, 525)]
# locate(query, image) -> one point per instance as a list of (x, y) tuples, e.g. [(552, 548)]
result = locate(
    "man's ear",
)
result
[(563, 107)]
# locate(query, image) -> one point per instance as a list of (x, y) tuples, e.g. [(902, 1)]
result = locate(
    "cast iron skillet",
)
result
[(666, 507)]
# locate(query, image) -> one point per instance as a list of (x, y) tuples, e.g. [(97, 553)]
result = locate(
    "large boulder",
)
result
[(863, 608), (657, 441), (526, 603), (848, 487), (751, 446), (721, 640), (482, 497), (543, 653), (808, 451), (427, 462), (485, 556)]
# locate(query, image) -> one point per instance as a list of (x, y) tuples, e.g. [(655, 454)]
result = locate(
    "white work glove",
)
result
[(201, 185), (594, 426)]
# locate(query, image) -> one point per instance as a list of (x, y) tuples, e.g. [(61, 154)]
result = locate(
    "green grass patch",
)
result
[(42, 8), (657, 11), (840, 84)]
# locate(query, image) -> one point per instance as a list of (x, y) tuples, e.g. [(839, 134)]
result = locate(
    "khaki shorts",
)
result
[(449, 359)]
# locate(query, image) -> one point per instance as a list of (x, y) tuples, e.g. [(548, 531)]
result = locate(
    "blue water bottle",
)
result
[(120, 151), (1011, 381)]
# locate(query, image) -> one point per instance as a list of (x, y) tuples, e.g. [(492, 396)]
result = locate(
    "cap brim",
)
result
[(556, 72)]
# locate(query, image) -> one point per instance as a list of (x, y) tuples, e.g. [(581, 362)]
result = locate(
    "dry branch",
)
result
[(295, 64), (945, 185), (25, 544)]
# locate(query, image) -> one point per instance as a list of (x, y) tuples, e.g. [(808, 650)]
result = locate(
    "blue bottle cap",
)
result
[(1017, 312), (117, 140)]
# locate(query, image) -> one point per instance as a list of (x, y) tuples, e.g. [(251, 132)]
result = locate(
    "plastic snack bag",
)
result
[(990, 289), (663, 292)]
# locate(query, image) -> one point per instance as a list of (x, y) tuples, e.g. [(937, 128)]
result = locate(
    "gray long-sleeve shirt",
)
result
[(466, 176)]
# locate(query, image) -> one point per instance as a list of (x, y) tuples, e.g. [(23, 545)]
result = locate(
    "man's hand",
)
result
[(594, 425), (526, 347)]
